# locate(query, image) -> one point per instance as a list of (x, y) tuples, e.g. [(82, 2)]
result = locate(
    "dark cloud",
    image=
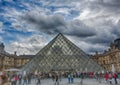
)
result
[(97, 27), (56, 24), (101, 40), (79, 29), (112, 2), (116, 29), (46, 24)]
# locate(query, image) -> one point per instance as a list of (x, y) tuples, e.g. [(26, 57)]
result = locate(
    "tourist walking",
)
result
[(72, 79), (82, 77), (118, 75), (69, 78), (53, 77), (16, 79), (29, 78), (115, 77), (110, 77), (20, 79), (100, 77), (12, 80), (106, 76), (25, 82), (38, 80), (60, 76), (56, 80)]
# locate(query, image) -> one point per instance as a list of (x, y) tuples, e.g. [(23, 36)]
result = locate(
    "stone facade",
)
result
[(12, 60), (112, 56)]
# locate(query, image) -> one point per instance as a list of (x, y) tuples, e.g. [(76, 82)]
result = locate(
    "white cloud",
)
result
[(62, 10), (27, 45), (102, 17), (97, 14)]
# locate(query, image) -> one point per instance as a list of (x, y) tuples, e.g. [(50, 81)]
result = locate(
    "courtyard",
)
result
[(64, 81)]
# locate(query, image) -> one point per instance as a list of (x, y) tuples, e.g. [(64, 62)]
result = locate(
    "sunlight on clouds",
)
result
[(86, 46), (28, 45), (115, 20), (88, 21), (84, 15), (62, 10)]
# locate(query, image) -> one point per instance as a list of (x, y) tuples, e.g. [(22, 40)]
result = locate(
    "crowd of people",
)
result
[(109, 76), (25, 79)]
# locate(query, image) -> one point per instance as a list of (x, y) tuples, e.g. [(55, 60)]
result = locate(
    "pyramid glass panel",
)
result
[(61, 54)]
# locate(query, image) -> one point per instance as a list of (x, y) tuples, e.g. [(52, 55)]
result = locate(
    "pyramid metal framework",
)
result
[(61, 55)]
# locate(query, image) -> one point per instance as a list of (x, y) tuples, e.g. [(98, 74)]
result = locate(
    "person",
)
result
[(38, 80), (29, 78), (72, 79), (100, 77), (53, 77), (106, 76), (20, 79), (12, 80), (60, 76), (115, 77), (56, 80), (82, 77), (110, 77), (25, 80), (118, 74), (69, 78), (15, 79)]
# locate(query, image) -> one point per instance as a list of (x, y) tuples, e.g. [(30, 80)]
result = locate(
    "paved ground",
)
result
[(76, 82)]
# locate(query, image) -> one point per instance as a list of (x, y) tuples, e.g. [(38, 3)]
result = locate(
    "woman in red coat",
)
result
[(106, 76)]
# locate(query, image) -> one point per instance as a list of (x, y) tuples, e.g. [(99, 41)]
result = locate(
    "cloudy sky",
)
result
[(28, 25)]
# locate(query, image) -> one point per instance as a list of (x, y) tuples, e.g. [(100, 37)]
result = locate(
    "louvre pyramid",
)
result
[(61, 54)]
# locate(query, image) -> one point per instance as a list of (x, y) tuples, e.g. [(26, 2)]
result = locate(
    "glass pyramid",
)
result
[(61, 55)]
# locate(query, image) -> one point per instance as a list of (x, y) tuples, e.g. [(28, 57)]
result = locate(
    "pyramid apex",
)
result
[(60, 34)]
